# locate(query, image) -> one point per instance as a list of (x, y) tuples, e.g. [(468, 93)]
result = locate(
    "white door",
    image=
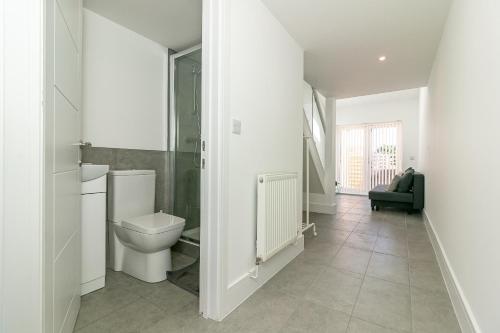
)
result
[(62, 172), (367, 155), (385, 155), (351, 159)]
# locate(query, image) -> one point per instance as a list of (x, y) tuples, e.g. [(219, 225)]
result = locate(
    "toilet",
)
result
[(139, 239)]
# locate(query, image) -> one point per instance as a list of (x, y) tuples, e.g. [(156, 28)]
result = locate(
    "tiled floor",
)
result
[(364, 272)]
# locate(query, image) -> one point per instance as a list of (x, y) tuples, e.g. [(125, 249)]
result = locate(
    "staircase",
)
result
[(319, 152), (314, 141)]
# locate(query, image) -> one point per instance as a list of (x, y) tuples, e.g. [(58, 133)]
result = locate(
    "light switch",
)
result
[(236, 126)]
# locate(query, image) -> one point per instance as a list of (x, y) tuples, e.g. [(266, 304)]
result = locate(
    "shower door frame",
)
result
[(172, 115), (172, 112), (207, 306)]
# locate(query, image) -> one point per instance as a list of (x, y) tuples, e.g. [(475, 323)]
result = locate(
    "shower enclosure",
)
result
[(185, 147)]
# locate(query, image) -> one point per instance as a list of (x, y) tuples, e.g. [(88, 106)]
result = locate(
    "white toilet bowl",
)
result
[(140, 246)]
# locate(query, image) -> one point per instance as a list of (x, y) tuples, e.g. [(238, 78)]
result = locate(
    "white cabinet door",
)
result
[(93, 241), (62, 170)]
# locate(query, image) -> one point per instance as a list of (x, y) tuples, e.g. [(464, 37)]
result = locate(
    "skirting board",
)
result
[(464, 314), (322, 208), (92, 285)]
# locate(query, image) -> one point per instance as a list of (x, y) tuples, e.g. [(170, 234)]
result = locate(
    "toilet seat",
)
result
[(153, 223)]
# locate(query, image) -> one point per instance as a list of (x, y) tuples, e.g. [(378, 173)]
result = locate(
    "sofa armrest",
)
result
[(418, 191)]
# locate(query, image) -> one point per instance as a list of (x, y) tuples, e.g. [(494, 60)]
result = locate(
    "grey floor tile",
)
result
[(396, 219), (102, 302), (389, 267), (323, 224), (361, 241), (426, 275), (322, 218), (361, 210), (181, 261), (396, 247), (187, 320), (335, 289), (169, 297), (134, 317), (353, 260), (414, 219), (391, 231), (129, 283), (311, 317), (384, 303), (415, 223), (349, 216), (329, 236), (346, 225), (264, 311), (421, 251), (369, 228), (433, 312), (417, 234), (342, 208), (395, 214), (296, 278), (374, 217), (360, 326), (318, 253)]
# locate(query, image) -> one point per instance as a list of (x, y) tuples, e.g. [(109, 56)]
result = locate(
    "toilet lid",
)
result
[(153, 223)]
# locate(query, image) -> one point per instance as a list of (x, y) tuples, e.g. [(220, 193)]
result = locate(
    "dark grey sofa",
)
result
[(411, 201)]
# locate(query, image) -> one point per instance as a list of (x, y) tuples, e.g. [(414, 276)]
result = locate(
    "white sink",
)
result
[(93, 171)]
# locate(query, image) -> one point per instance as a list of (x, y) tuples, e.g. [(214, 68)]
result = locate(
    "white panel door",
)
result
[(62, 269)]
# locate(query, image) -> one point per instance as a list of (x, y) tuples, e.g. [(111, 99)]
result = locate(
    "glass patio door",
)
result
[(367, 155)]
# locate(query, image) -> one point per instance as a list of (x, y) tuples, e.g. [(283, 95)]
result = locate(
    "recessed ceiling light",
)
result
[(382, 58)]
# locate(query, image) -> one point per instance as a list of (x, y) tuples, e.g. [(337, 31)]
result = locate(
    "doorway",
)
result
[(367, 155)]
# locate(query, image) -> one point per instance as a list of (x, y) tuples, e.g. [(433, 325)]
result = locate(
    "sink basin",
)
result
[(93, 171)]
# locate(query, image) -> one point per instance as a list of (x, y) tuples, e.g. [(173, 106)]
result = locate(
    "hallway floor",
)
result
[(364, 272)]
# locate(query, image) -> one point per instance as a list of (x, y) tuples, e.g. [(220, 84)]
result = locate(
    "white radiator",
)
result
[(277, 222)]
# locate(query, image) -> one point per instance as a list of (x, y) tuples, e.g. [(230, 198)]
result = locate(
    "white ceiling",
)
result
[(175, 24), (392, 96), (343, 40)]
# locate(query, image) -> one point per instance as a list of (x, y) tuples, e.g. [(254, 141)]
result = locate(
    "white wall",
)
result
[(125, 78), (264, 89), (460, 138), (399, 105)]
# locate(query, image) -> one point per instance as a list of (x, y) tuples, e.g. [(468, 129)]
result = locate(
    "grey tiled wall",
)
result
[(123, 159)]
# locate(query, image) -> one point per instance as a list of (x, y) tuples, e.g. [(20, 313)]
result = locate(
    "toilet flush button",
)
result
[(236, 123)]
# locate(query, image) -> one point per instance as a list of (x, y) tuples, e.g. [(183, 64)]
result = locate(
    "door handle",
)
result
[(82, 144)]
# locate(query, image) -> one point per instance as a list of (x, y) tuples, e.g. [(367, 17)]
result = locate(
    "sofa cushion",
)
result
[(380, 193), (406, 181), (394, 184)]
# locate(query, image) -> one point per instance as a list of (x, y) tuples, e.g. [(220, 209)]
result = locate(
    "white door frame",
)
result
[(21, 165), (212, 181)]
